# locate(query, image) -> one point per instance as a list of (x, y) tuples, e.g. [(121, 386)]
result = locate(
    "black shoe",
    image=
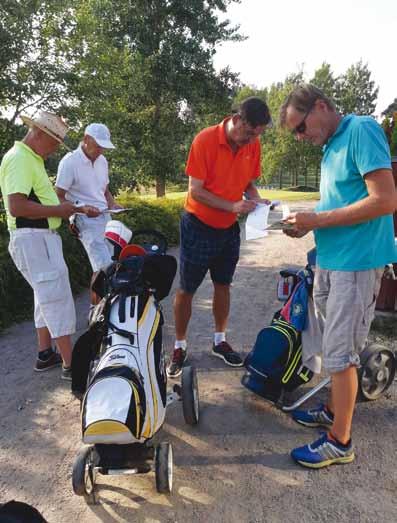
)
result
[(174, 369), (52, 361), (223, 350)]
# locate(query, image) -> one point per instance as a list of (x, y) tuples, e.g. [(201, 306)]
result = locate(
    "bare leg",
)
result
[(342, 401), (221, 306), (182, 313), (44, 338), (95, 299), (64, 344)]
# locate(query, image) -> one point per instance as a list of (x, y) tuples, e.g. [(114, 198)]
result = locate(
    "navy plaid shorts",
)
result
[(204, 248)]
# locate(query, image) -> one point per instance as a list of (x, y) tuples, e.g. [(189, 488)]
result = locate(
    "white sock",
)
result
[(219, 337), (180, 344)]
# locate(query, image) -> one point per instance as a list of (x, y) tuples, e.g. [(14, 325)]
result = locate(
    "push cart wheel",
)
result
[(190, 396), (83, 474), (378, 368), (163, 462)]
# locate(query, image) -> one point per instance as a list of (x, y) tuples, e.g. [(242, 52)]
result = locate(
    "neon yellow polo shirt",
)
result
[(22, 171)]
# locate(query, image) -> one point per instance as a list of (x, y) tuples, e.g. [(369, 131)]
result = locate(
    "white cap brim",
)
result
[(105, 144)]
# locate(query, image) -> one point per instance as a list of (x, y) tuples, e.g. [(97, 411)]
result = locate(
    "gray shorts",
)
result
[(344, 304)]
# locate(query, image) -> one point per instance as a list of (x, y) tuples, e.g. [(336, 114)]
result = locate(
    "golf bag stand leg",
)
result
[(308, 395)]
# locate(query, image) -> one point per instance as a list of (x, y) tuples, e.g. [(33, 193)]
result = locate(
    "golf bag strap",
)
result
[(122, 332)]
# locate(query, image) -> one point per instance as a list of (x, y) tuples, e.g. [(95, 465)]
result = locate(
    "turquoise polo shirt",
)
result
[(357, 148)]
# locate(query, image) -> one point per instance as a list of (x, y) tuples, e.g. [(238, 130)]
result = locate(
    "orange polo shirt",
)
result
[(225, 173)]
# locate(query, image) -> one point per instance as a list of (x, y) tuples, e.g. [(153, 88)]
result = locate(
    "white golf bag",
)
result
[(120, 360)]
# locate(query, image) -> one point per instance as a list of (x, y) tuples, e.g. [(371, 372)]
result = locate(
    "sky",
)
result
[(286, 36)]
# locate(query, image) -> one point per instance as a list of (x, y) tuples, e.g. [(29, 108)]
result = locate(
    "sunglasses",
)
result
[(301, 127)]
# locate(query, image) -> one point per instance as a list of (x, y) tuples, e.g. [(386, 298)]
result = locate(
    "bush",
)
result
[(16, 297), (160, 214)]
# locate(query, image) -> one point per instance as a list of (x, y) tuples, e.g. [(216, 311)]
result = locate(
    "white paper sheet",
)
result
[(117, 211), (286, 211), (257, 222), (108, 211)]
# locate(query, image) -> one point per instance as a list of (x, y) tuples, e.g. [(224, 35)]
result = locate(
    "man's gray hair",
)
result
[(303, 98)]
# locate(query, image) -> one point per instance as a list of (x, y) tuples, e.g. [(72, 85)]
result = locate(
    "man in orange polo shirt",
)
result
[(224, 161)]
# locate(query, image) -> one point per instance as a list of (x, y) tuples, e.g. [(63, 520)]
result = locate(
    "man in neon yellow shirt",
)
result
[(33, 217)]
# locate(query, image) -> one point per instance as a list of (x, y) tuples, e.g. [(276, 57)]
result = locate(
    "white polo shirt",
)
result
[(83, 180)]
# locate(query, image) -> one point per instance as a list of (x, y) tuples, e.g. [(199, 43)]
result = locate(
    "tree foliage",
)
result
[(145, 68)]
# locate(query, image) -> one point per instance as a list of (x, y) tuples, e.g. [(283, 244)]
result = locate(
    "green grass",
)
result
[(289, 196)]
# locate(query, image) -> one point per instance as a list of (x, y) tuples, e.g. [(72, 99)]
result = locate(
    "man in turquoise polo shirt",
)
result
[(354, 237), (33, 216)]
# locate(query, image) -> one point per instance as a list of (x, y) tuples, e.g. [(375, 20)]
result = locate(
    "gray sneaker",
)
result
[(174, 369), (66, 373), (52, 361)]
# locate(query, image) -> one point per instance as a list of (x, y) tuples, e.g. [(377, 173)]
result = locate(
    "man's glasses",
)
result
[(301, 127)]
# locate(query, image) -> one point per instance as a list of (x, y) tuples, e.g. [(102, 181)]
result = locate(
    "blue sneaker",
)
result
[(319, 417), (322, 453)]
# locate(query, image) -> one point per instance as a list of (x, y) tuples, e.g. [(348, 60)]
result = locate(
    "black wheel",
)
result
[(84, 474), (190, 396), (378, 368), (163, 462), (152, 241)]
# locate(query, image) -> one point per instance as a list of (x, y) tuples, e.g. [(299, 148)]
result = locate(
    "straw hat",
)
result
[(50, 123)]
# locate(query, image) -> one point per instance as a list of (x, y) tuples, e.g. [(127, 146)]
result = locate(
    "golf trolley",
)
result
[(378, 363), (375, 376), (118, 367)]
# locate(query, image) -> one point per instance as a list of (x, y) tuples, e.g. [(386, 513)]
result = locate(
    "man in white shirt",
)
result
[(83, 178)]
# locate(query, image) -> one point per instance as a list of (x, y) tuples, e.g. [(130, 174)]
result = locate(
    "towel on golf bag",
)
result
[(274, 364), (295, 309)]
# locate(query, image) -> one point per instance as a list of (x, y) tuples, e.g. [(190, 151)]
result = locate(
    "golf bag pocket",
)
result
[(274, 365), (114, 404)]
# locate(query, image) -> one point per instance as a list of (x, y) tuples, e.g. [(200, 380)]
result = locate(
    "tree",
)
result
[(30, 70), (324, 79), (356, 91), (146, 67), (390, 109)]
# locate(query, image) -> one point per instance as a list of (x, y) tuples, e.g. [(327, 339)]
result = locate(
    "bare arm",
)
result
[(89, 210), (198, 193), (20, 206), (381, 200), (253, 194), (110, 200), (61, 193)]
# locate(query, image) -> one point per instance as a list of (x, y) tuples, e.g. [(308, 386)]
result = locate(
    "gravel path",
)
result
[(234, 467)]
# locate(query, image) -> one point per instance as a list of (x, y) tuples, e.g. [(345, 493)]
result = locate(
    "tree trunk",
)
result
[(160, 186)]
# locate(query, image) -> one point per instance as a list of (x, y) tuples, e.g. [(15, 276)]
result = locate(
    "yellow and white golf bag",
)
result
[(118, 363)]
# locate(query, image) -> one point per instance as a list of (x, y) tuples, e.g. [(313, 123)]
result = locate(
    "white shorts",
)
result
[(92, 236), (37, 254)]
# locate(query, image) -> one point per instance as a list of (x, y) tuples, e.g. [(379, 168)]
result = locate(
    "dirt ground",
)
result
[(234, 466)]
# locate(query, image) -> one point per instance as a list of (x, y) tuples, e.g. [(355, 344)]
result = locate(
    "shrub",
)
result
[(160, 214), (16, 297)]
